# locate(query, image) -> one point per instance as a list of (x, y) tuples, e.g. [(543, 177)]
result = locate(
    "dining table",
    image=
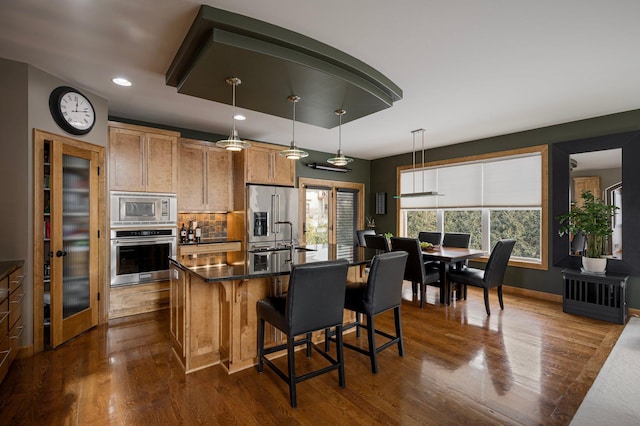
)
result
[(445, 257)]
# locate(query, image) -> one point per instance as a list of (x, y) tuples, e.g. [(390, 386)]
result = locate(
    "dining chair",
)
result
[(432, 237), (381, 293), (415, 270), (314, 301), (578, 244), (360, 233), (378, 242), (493, 274)]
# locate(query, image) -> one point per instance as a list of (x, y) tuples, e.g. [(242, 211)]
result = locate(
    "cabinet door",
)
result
[(177, 310), (259, 165), (219, 180), (126, 159), (284, 170), (161, 163), (191, 178)]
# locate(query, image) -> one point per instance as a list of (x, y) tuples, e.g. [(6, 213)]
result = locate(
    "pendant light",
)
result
[(413, 169), (293, 153), (340, 159), (234, 143)]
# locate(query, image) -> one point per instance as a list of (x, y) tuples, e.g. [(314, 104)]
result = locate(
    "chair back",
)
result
[(497, 264), (456, 239), (384, 285), (378, 242), (315, 298), (432, 237), (414, 270), (578, 243), (360, 233)]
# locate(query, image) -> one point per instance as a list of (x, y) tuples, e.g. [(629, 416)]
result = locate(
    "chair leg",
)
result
[(260, 344), (371, 335), (327, 342), (340, 356), (486, 301), (464, 289), (396, 315), (414, 288), (308, 338), (292, 371), (500, 297), (358, 324), (423, 291)]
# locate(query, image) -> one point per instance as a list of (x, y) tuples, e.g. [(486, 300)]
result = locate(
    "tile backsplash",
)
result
[(212, 225)]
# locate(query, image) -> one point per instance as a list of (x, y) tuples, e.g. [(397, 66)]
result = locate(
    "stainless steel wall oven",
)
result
[(141, 255)]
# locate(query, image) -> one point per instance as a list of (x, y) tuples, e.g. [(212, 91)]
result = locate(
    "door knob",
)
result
[(61, 253)]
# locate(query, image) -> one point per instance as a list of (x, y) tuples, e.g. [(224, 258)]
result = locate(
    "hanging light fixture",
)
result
[(234, 143), (413, 169), (293, 153), (340, 159)]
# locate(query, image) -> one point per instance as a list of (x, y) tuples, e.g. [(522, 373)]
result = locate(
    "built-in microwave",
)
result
[(143, 208)]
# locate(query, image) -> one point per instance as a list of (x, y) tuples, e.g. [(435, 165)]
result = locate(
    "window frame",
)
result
[(543, 150)]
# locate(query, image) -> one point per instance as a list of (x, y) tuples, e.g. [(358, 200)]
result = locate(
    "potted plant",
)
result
[(593, 220)]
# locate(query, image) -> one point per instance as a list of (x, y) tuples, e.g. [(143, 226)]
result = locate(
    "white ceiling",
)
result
[(469, 69)]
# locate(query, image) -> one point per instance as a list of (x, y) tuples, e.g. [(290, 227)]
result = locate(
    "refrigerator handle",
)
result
[(274, 213)]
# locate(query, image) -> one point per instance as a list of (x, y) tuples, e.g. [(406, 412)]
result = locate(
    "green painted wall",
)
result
[(383, 179)]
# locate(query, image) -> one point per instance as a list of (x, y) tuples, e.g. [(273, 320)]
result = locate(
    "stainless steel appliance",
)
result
[(141, 255), (272, 217), (143, 209)]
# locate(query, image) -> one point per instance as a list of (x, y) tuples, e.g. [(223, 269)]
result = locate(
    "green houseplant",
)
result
[(593, 220)]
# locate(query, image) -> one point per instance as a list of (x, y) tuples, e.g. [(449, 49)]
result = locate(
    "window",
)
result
[(494, 196)]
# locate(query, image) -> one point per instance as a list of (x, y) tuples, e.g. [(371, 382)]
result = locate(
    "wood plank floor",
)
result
[(529, 364)]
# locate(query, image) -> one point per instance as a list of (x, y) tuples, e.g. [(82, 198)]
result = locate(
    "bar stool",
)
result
[(314, 301), (382, 292)]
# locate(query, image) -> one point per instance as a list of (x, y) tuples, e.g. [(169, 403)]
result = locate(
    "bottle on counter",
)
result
[(198, 234), (183, 234), (190, 234)]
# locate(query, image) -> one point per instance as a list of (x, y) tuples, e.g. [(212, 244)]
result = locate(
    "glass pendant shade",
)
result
[(340, 159), (233, 143), (293, 153)]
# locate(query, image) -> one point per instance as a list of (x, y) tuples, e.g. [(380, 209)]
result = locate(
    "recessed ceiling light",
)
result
[(120, 81), (239, 117)]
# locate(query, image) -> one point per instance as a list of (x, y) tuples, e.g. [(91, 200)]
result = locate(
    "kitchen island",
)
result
[(213, 300)]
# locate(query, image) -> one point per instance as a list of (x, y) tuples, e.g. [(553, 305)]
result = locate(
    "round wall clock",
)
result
[(71, 110)]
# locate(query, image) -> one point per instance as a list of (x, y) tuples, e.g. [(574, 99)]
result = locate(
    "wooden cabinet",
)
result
[(11, 324), (263, 164), (142, 158), (204, 177), (586, 183)]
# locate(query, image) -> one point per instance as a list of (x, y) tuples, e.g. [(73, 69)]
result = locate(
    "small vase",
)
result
[(596, 265)]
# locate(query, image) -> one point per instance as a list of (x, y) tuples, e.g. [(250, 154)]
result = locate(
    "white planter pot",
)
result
[(593, 264)]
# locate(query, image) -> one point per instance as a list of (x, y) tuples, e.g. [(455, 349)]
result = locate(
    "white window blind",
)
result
[(504, 182)]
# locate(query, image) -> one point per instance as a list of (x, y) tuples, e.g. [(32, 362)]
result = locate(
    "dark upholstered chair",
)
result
[(314, 301), (382, 292), (360, 233), (492, 276), (432, 237), (416, 271), (578, 244), (457, 239), (378, 242)]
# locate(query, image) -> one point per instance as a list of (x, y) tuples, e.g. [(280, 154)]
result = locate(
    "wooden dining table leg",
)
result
[(445, 291)]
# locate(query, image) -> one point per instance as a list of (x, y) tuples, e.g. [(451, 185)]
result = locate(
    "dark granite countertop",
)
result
[(8, 266), (209, 241), (212, 267)]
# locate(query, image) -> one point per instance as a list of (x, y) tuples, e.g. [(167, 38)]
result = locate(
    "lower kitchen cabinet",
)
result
[(138, 299), (11, 324)]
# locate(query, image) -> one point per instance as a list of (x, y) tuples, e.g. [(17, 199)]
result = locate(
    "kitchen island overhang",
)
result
[(213, 297)]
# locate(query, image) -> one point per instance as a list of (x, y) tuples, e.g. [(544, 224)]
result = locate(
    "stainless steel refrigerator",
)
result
[(272, 217)]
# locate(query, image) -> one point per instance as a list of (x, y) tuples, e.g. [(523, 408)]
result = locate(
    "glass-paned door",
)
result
[(74, 260), (316, 223)]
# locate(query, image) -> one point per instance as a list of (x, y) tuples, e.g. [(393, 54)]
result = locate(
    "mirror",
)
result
[(601, 173), (629, 144)]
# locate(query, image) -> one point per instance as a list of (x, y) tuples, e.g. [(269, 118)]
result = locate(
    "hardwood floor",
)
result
[(529, 364)]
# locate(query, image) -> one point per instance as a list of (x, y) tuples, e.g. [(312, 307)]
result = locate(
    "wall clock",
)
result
[(71, 110)]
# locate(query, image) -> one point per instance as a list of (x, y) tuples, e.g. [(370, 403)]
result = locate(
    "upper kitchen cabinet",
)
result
[(263, 164), (142, 158), (204, 177)]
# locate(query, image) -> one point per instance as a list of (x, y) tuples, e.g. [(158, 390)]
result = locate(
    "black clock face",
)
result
[(71, 110)]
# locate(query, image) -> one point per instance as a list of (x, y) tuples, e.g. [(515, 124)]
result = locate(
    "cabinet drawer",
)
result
[(15, 306), (5, 360), (15, 279), (4, 289), (15, 336), (4, 318)]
